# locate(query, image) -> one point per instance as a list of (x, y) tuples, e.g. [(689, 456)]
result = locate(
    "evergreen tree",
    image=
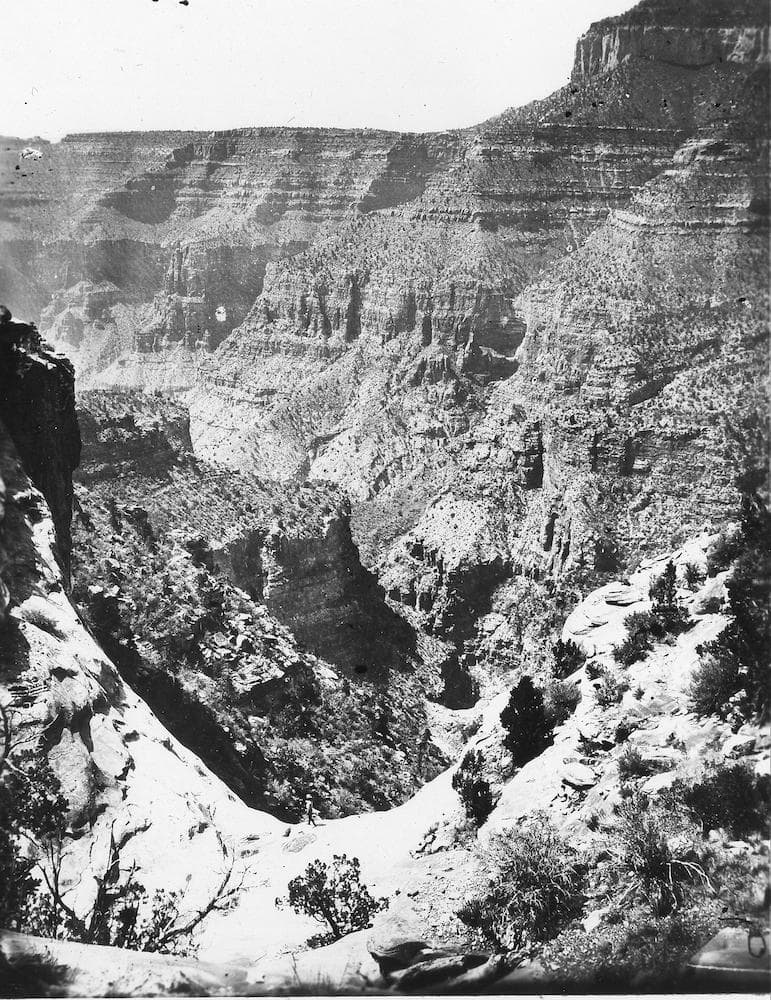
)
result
[(527, 728)]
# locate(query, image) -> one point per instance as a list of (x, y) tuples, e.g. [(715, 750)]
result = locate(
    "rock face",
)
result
[(37, 408), (728, 32), (627, 369)]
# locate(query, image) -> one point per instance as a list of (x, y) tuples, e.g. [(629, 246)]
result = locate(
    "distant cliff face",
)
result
[(638, 393), (692, 35)]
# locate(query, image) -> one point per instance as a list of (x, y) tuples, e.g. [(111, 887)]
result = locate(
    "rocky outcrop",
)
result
[(318, 587), (367, 358), (727, 32), (37, 408), (623, 402)]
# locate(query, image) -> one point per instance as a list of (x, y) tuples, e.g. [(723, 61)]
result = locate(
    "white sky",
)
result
[(412, 65)]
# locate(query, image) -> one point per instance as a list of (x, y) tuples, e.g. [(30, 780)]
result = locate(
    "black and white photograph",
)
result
[(385, 525)]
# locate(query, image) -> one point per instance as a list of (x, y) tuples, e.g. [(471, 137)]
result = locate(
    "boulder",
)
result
[(343, 966), (481, 975), (528, 977), (622, 596), (739, 745), (438, 971), (578, 776), (395, 939)]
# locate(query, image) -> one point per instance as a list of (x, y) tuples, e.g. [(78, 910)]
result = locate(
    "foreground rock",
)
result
[(63, 968)]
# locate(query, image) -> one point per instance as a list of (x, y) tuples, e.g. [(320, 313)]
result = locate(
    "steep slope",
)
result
[(578, 782), (119, 768)]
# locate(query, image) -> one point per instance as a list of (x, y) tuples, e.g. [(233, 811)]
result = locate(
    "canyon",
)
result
[(327, 436)]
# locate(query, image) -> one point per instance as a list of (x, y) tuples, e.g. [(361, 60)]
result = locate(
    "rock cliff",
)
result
[(37, 408)]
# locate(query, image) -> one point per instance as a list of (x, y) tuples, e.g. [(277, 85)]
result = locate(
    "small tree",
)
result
[(668, 615), (729, 797), (524, 718), (333, 895), (473, 788), (663, 590)]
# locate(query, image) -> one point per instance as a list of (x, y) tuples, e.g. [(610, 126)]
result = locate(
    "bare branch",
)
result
[(220, 900)]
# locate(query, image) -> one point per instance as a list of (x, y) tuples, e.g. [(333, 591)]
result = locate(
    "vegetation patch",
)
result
[(729, 797), (537, 886), (528, 730), (733, 676)]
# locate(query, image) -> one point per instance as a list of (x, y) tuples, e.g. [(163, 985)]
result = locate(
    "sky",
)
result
[(407, 65)]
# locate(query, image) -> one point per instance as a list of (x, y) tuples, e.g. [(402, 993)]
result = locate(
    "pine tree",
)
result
[(524, 719)]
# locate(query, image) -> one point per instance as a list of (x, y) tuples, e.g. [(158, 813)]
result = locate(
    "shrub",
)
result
[(737, 661), (610, 690), (561, 699), (723, 551), (749, 597), (715, 681), (624, 729), (34, 838), (473, 788), (32, 809), (333, 895), (639, 628), (733, 798), (524, 719), (537, 888), (644, 627), (568, 657), (632, 764), (658, 862)]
